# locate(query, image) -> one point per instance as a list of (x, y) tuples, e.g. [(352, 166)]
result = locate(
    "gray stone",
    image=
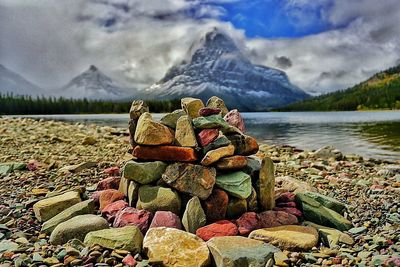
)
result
[(144, 172), (170, 119)]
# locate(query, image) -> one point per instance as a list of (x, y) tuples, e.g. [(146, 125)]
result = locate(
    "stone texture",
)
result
[(248, 222), (237, 184), (252, 203), (132, 130), (215, 205), (290, 210), (195, 180), (327, 202), (77, 227), (236, 162), (192, 106), (170, 119), (276, 218), (194, 217), (144, 172), (165, 153), (150, 132), (138, 107), (127, 238), (166, 219), (234, 118), (267, 184), (216, 154), (209, 111), (133, 191), (207, 136), (123, 186), (219, 228), (216, 102), (293, 184), (236, 207), (328, 152), (253, 166), (84, 207), (155, 198), (175, 248), (330, 236), (210, 122), (288, 237), (132, 216), (244, 145), (108, 183), (235, 251), (184, 133), (109, 212), (49, 207), (109, 196), (220, 141)]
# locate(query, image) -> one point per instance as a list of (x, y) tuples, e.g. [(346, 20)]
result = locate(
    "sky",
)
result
[(323, 45)]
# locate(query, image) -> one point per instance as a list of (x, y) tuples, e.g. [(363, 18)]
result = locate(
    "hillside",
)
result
[(381, 91)]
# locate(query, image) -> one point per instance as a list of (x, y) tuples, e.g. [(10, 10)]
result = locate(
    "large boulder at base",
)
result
[(165, 153), (215, 205), (128, 238), (216, 102), (166, 219), (237, 184), (155, 198), (132, 216), (149, 132), (192, 106), (194, 217), (49, 207), (175, 248), (77, 228), (220, 228), (138, 107), (216, 154), (233, 251), (171, 119), (144, 172), (244, 145), (184, 133), (192, 179), (84, 207), (288, 237)]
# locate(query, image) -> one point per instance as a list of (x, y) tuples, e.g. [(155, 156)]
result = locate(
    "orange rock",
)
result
[(109, 196), (165, 153), (231, 163)]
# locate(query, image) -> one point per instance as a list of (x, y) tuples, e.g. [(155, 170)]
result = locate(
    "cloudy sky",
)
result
[(323, 45)]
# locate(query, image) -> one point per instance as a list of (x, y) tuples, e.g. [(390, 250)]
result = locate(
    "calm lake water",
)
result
[(369, 134)]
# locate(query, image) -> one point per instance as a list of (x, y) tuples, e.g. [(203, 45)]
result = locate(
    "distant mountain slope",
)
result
[(216, 66), (381, 91), (11, 82)]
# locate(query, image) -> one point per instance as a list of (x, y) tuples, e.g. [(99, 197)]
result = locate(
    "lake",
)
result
[(374, 134)]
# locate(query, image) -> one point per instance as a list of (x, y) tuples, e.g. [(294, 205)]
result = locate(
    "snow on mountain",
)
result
[(216, 66), (11, 82)]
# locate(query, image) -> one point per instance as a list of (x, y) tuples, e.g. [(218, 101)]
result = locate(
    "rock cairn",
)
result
[(196, 192)]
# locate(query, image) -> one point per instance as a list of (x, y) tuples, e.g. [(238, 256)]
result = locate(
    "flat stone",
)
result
[(219, 228), (216, 102), (111, 210), (215, 205), (184, 133), (49, 207), (209, 111), (216, 154), (138, 107), (128, 238), (236, 207), (109, 196), (165, 153), (328, 202), (330, 236), (220, 141), (108, 183), (166, 219), (175, 248), (231, 163), (77, 227), (210, 122), (293, 185), (207, 136), (194, 217), (244, 145), (170, 119), (232, 251), (248, 222), (144, 172), (84, 207), (234, 118), (132, 216), (288, 237), (192, 106), (267, 184), (150, 132), (237, 184), (357, 230), (155, 198), (276, 218), (192, 179)]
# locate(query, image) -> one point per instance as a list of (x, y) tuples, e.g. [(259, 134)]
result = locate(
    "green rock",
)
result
[(156, 198), (253, 166), (150, 132), (194, 217), (328, 202), (77, 227), (192, 106), (210, 122), (331, 237), (235, 251), (36, 257), (267, 184), (357, 230), (316, 213), (221, 141), (6, 168), (237, 184), (170, 119), (184, 133), (84, 207), (7, 245), (144, 172), (216, 102), (236, 207), (128, 238)]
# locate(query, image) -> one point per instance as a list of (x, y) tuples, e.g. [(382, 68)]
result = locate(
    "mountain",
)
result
[(216, 66), (11, 82), (92, 84), (381, 91)]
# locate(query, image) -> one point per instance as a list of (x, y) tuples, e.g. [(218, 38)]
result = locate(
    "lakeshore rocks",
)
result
[(327, 202), (219, 228), (144, 172), (192, 106), (184, 133), (149, 132), (155, 198), (194, 217), (237, 184), (165, 153), (175, 247), (267, 184)]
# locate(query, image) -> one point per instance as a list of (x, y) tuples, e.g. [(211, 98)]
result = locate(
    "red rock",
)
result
[(235, 119), (133, 216), (273, 218), (286, 197), (32, 165), (207, 136), (215, 205), (166, 219), (220, 228), (112, 171), (96, 197), (209, 111), (109, 196), (165, 153), (112, 209), (231, 163), (129, 260), (286, 204), (248, 222), (108, 183), (290, 210)]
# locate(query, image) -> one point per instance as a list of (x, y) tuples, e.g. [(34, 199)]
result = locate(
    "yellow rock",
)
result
[(216, 154), (39, 191), (150, 132), (192, 106)]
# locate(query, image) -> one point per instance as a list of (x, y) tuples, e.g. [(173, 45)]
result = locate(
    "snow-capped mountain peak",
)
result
[(11, 82)]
